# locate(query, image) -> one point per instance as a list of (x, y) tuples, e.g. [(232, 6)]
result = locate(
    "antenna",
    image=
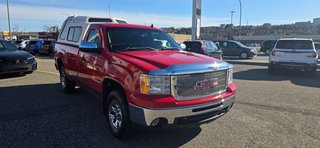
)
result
[(109, 7)]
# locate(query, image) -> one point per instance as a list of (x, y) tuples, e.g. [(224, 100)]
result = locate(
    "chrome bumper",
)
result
[(179, 116)]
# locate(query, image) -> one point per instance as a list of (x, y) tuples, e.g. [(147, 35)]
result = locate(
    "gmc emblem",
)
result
[(205, 84)]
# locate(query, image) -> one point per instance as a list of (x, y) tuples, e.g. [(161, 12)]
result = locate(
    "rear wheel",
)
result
[(118, 115), (66, 85), (244, 55)]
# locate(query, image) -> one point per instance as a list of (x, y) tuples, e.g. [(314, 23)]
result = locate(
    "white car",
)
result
[(294, 53), (22, 44)]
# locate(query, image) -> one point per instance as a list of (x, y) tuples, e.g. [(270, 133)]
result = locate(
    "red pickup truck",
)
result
[(142, 76)]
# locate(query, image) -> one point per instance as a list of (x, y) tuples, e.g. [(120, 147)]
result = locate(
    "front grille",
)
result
[(193, 86), (14, 61)]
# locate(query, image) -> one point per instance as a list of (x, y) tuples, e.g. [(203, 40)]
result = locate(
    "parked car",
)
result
[(21, 45), (294, 53), (13, 60), (267, 46), (317, 46), (34, 46), (235, 48), (47, 47), (204, 47), (141, 75)]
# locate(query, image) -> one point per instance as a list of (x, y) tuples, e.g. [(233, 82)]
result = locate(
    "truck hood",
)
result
[(163, 59)]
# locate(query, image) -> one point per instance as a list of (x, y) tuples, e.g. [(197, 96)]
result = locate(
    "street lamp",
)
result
[(240, 18), (9, 20), (232, 12)]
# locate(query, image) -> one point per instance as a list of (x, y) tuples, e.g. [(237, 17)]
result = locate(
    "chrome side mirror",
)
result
[(89, 47)]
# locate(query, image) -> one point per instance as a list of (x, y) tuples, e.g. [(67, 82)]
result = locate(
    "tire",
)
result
[(244, 55), (267, 52), (117, 115), (66, 85), (271, 70)]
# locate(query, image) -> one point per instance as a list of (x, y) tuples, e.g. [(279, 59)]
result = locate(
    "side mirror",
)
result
[(183, 46), (89, 47)]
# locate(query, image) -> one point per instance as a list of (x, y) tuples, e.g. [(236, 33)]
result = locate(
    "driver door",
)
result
[(91, 62)]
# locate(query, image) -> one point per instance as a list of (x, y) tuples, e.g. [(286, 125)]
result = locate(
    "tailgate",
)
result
[(297, 56)]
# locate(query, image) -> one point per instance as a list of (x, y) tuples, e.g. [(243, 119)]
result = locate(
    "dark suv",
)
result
[(267, 46), (204, 47), (235, 48), (47, 47)]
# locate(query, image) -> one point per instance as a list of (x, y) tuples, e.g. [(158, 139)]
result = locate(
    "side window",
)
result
[(94, 37), (232, 45), (74, 34), (64, 31), (225, 44), (70, 34)]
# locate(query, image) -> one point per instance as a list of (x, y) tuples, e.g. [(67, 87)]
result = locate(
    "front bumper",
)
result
[(17, 68), (191, 115)]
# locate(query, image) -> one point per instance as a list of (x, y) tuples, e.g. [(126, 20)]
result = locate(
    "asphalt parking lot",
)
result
[(270, 111)]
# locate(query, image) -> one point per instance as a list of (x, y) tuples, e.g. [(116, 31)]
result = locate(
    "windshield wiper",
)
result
[(138, 48)]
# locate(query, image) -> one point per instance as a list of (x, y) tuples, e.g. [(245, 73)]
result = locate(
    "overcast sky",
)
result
[(31, 15)]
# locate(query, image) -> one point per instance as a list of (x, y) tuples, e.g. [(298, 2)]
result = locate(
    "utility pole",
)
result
[(240, 2), (232, 12), (196, 19), (8, 11)]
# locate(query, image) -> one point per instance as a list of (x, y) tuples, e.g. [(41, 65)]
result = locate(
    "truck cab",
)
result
[(142, 75)]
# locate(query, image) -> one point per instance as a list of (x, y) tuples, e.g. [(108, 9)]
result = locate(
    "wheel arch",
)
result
[(109, 85)]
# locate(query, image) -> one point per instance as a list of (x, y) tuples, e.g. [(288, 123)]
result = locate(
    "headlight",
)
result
[(253, 50), (230, 76), (31, 59), (154, 84)]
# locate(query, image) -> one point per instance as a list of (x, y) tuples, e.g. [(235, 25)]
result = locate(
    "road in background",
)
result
[(270, 111)]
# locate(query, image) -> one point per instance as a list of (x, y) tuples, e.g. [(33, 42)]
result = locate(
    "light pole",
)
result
[(196, 19), (232, 12), (240, 18), (9, 20)]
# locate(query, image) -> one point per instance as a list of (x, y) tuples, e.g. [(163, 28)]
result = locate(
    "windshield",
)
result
[(7, 46), (294, 44), (212, 46), (130, 39)]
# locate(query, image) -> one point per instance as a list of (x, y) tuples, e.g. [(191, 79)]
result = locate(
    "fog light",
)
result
[(155, 122)]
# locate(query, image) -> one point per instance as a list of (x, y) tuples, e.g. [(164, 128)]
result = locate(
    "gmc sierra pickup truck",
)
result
[(141, 75)]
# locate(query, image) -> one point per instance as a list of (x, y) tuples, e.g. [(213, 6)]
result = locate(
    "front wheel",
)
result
[(118, 115), (66, 85)]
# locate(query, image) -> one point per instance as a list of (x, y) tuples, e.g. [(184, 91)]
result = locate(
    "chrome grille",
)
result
[(193, 86)]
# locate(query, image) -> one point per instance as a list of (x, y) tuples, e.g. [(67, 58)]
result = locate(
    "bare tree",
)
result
[(50, 28)]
